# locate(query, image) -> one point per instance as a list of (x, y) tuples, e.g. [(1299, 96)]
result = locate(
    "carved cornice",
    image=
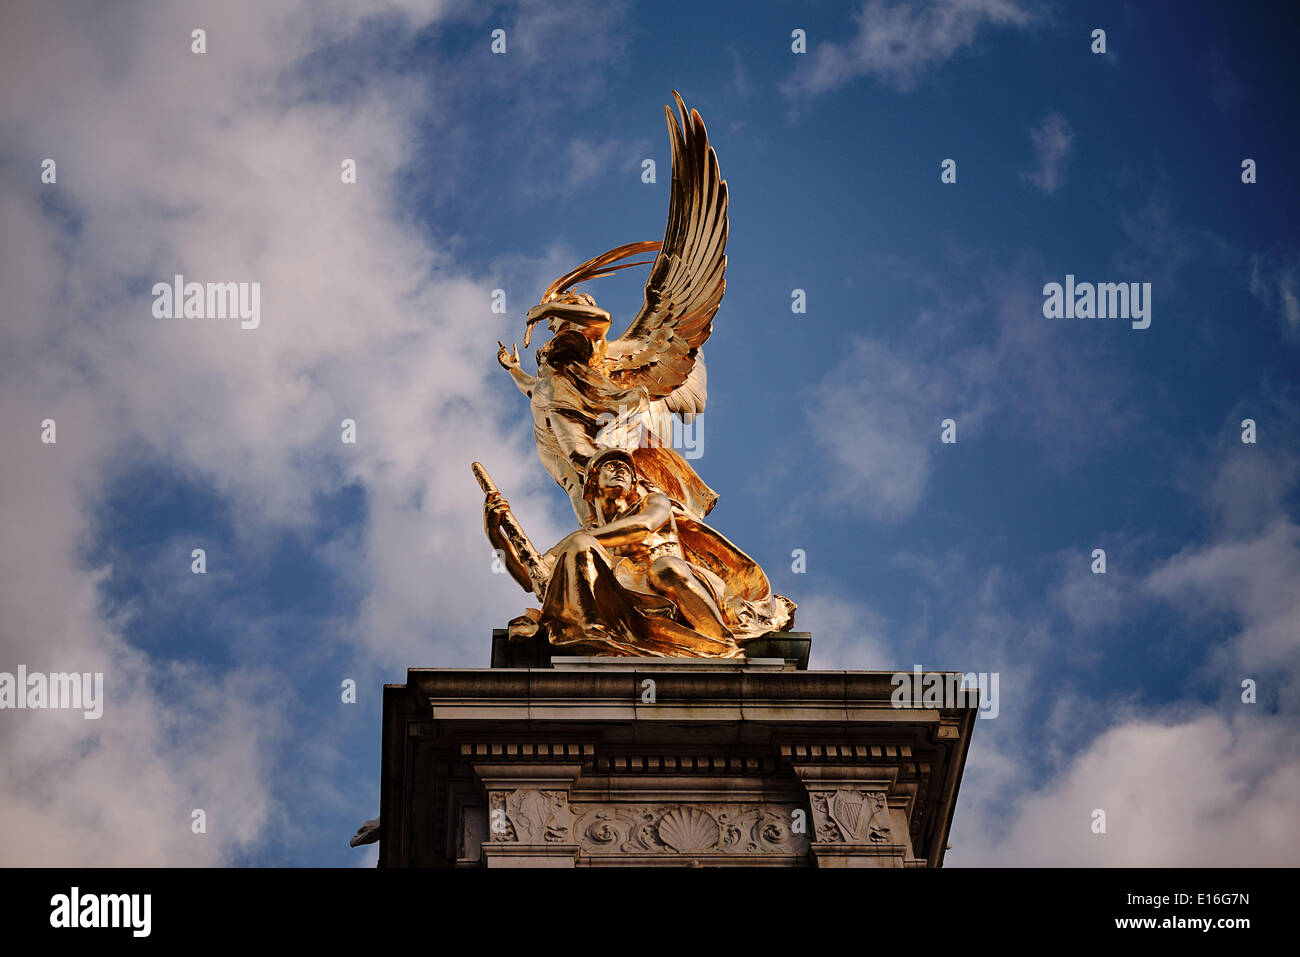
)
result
[(728, 829)]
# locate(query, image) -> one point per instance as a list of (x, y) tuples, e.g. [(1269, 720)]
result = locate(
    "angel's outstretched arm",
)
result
[(510, 362)]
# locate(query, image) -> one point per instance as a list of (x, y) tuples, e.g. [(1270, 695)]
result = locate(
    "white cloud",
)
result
[(223, 166), (1210, 791), (847, 635), (1255, 582), (1183, 785), (1248, 574), (1247, 490)]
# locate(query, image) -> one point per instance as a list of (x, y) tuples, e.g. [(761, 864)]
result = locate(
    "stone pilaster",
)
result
[(860, 817), (528, 820)]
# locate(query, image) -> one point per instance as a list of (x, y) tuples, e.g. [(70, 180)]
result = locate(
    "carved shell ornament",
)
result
[(686, 829)]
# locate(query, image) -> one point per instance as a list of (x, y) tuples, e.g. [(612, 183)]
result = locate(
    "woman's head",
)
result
[(611, 473)]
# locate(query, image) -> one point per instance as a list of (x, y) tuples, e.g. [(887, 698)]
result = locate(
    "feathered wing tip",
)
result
[(659, 348), (602, 265)]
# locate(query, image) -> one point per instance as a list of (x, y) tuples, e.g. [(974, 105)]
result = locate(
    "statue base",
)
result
[(793, 646), (590, 762)]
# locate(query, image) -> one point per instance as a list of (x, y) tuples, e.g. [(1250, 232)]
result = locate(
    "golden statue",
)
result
[(643, 575)]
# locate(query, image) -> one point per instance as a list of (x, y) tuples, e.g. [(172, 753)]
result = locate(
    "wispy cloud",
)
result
[(579, 164), (898, 43), (1276, 284), (876, 415), (739, 75), (1052, 139)]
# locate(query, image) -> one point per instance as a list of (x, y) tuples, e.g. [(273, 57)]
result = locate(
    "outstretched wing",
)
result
[(661, 347)]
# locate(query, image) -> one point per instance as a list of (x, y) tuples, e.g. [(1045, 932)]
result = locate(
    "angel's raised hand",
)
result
[(507, 359)]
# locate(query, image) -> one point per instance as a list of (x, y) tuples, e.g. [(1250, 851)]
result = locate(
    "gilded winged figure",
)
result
[(643, 574), (591, 392)]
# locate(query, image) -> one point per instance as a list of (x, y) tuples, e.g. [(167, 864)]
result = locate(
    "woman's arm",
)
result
[(494, 505), (653, 515)]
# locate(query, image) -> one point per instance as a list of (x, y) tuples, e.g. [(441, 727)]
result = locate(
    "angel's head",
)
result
[(572, 298), (562, 308), (568, 346), (568, 310)]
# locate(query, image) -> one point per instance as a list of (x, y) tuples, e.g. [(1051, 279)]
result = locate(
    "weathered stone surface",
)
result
[(606, 762)]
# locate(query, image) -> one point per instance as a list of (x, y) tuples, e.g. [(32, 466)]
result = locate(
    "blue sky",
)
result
[(476, 172)]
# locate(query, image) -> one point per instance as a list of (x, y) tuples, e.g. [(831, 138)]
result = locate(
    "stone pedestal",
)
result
[(596, 762)]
